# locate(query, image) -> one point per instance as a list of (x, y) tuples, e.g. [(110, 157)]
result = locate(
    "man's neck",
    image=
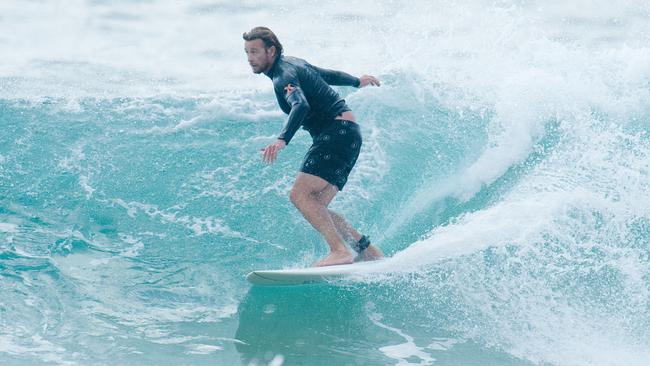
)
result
[(270, 71)]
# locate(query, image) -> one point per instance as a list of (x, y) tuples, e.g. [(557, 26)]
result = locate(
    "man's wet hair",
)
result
[(266, 35)]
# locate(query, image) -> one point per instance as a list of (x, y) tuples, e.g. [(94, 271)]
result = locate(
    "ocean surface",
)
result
[(505, 171)]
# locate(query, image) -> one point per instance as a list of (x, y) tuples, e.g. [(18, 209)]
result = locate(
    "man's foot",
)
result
[(370, 254), (334, 258)]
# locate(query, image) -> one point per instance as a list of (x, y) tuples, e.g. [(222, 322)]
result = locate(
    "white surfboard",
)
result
[(301, 276)]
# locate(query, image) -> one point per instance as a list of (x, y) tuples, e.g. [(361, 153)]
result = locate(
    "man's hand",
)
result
[(366, 80), (270, 153)]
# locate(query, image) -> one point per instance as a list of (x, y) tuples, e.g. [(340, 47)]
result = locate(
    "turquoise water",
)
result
[(504, 171)]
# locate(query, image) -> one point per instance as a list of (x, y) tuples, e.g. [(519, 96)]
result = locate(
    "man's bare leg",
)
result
[(305, 196), (345, 230), (350, 234)]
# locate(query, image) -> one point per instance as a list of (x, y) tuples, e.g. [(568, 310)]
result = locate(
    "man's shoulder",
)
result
[(296, 64), (290, 68), (294, 61)]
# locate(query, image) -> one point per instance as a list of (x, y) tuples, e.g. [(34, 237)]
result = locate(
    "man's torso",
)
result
[(324, 102)]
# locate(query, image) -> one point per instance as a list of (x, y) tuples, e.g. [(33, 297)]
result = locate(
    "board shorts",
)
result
[(334, 152)]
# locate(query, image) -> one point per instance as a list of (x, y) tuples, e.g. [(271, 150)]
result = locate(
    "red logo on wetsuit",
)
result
[(289, 89)]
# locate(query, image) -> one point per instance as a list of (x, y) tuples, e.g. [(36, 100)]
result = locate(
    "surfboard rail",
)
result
[(302, 276)]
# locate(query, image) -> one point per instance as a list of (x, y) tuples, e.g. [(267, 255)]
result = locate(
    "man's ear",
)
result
[(273, 51)]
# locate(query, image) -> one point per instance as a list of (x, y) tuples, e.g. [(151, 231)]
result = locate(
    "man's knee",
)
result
[(298, 196)]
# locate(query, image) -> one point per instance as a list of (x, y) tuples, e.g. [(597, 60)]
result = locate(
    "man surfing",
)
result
[(303, 92)]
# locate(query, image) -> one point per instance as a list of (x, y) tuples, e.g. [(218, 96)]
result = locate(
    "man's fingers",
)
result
[(269, 154), (265, 153), (369, 80)]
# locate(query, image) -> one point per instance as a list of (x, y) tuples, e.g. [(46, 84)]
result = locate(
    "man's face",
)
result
[(259, 57)]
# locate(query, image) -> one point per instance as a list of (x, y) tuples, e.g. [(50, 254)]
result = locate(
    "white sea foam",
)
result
[(202, 349), (199, 225), (35, 346), (405, 353), (568, 77), (7, 227)]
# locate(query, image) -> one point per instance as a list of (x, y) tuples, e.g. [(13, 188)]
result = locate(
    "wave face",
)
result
[(505, 170)]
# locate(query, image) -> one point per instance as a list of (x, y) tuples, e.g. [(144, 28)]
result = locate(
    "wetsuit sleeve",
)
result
[(299, 109), (333, 77)]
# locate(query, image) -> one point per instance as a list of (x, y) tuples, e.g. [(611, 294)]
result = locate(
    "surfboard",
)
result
[(302, 276)]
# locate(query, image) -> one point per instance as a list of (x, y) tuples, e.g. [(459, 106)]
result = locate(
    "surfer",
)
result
[(303, 92)]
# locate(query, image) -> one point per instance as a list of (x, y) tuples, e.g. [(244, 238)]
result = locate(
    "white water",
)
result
[(569, 82)]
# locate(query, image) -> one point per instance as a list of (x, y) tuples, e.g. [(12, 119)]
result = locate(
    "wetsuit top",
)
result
[(303, 93)]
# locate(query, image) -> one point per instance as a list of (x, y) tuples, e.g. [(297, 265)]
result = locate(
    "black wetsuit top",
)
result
[(303, 93)]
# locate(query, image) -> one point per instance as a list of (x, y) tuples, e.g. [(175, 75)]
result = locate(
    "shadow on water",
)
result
[(350, 325), (310, 325)]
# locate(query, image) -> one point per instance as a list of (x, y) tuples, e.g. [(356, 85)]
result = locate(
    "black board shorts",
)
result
[(334, 152)]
